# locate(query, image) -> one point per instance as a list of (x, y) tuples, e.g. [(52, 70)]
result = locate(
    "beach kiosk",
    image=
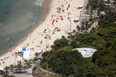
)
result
[(26, 53)]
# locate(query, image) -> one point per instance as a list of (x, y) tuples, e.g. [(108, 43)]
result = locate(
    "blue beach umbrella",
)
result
[(24, 49), (39, 59)]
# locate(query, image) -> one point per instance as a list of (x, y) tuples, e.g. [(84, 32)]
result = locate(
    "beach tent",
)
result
[(1, 69), (26, 53)]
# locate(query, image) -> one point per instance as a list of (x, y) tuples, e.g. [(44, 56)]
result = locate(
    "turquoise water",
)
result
[(17, 18)]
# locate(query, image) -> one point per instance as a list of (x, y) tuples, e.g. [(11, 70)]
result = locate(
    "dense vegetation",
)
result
[(101, 5), (69, 63)]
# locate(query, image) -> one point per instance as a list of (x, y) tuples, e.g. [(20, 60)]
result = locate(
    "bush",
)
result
[(34, 68)]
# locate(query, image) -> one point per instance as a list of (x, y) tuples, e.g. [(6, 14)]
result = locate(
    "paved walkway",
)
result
[(46, 71), (28, 74)]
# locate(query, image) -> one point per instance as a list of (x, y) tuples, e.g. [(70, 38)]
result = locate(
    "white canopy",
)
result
[(1, 68), (86, 52), (26, 54), (19, 49)]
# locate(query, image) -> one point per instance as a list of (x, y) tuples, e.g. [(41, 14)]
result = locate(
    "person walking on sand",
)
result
[(41, 42)]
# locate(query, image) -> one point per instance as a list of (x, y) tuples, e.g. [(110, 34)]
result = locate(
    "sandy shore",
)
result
[(56, 24)]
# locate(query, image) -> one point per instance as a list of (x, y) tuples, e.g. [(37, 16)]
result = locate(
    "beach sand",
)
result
[(61, 18)]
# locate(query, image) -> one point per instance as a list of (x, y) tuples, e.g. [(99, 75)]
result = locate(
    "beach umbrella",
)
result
[(24, 49), (60, 15), (68, 5), (41, 42), (67, 8), (61, 18), (27, 43), (15, 52), (68, 17), (78, 7), (45, 37), (44, 31), (53, 21), (59, 8), (59, 11), (42, 34), (68, 13), (63, 10), (56, 28), (39, 59), (47, 46)]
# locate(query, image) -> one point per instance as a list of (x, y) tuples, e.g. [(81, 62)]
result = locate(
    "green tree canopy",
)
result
[(60, 43), (108, 34)]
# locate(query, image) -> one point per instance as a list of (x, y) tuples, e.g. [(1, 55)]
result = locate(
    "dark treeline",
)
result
[(101, 5), (67, 62)]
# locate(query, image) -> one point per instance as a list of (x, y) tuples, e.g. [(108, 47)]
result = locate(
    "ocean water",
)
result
[(17, 18)]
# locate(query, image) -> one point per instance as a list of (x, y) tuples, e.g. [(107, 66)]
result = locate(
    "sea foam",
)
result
[(39, 2)]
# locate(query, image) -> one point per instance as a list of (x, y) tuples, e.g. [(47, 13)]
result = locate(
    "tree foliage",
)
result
[(69, 63), (108, 21), (59, 43)]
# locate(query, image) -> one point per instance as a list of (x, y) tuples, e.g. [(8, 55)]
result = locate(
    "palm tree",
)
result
[(12, 75), (28, 63), (36, 54), (74, 31), (82, 28), (12, 67), (92, 30), (16, 70), (35, 59), (6, 68), (19, 66), (5, 75), (78, 28), (30, 60), (24, 67)]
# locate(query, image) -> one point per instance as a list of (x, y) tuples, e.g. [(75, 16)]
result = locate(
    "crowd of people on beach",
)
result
[(53, 29)]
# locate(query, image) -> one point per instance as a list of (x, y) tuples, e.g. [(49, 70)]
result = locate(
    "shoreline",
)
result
[(46, 7), (36, 34)]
